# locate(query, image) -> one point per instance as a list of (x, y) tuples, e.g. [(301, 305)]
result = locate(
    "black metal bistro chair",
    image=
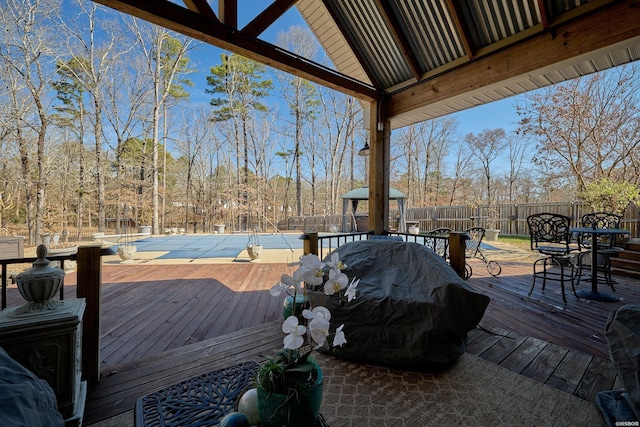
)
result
[(440, 245), (551, 238), (606, 244)]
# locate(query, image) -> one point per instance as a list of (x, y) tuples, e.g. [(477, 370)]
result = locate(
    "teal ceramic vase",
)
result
[(296, 409), (288, 306)]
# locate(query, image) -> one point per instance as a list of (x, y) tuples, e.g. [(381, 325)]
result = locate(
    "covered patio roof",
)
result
[(410, 61)]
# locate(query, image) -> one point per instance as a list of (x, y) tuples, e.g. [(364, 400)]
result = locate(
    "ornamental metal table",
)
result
[(594, 294)]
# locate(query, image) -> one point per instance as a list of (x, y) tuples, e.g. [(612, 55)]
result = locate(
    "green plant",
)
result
[(607, 195), (288, 371)]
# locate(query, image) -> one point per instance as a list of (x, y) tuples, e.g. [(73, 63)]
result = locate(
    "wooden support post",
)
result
[(310, 243), (89, 279), (379, 155), (457, 246)]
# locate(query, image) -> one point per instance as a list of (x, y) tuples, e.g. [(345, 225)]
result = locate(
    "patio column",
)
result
[(379, 143)]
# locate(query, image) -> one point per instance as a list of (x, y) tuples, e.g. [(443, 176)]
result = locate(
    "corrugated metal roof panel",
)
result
[(431, 32), (369, 30), (495, 20)]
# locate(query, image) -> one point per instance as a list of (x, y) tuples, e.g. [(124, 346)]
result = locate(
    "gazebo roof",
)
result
[(362, 193)]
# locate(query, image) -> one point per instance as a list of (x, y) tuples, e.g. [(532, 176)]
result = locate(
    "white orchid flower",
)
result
[(350, 293), (317, 312), (313, 277), (336, 282), (335, 263), (295, 331), (286, 282), (339, 338), (319, 330), (311, 261), (311, 270)]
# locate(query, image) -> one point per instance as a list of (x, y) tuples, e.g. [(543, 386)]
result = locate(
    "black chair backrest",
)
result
[(599, 220), (440, 231), (547, 229)]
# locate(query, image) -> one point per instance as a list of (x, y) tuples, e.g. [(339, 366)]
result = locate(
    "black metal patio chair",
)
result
[(606, 244), (551, 238)]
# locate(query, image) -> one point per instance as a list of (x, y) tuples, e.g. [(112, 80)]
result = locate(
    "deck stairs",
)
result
[(627, 263)]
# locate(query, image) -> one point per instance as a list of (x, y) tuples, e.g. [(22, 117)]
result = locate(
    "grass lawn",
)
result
[(522, 242)]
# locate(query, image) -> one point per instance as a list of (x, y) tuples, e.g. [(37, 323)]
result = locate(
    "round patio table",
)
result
[(594, 294)]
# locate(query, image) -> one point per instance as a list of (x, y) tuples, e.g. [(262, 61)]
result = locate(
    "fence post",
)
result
[(457, 245), (310, 245), (89, 281)]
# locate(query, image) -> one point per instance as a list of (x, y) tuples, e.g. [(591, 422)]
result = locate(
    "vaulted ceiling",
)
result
[(422, 58)]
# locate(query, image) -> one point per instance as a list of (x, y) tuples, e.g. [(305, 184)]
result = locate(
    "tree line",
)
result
[(98, 128)]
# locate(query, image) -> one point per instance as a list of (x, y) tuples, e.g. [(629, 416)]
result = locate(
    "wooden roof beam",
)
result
[(569, 40), (180, 19), (461, 28), (267, 17), (228, 11), (201, 7), (544, 14), (399, 36)]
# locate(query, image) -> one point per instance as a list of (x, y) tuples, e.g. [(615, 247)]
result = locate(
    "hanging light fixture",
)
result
[(364, 151)]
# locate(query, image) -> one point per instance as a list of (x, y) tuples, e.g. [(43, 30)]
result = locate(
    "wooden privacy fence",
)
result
[(509, 219)]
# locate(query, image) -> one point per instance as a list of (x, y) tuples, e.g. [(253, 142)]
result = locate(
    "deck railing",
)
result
[(89, 284), (451, 247)]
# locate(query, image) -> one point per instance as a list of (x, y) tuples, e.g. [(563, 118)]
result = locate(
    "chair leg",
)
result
[(562, 279), (607, 272), (544, 263)]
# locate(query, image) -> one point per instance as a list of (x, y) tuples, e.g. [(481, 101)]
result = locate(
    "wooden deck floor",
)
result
[(161, 324)]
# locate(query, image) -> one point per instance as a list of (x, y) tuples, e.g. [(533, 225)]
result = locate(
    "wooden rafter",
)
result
[(400, 37), (201, 7), (197, 26), (349, 38), (588, 33), (462, 29), (267, 17), (544, 14), (228, 11)]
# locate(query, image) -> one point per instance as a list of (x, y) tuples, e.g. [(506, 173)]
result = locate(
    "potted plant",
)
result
[(289, 384)]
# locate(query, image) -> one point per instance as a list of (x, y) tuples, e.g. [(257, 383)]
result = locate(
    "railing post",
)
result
[(89, 281), (310, 243), (457, 245)]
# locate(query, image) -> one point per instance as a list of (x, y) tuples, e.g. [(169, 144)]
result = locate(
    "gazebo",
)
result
[(354, 196)]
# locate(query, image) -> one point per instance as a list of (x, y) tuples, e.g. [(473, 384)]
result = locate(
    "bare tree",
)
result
[(587, 128), (460, 179), (299, 94), (27, 50), (165, 57), (486, 147), (91, 63)]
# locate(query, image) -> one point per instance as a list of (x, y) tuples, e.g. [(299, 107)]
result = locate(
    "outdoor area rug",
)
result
[(473, 392)]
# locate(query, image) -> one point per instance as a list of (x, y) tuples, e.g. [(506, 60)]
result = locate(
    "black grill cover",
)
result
[(412, 309)]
